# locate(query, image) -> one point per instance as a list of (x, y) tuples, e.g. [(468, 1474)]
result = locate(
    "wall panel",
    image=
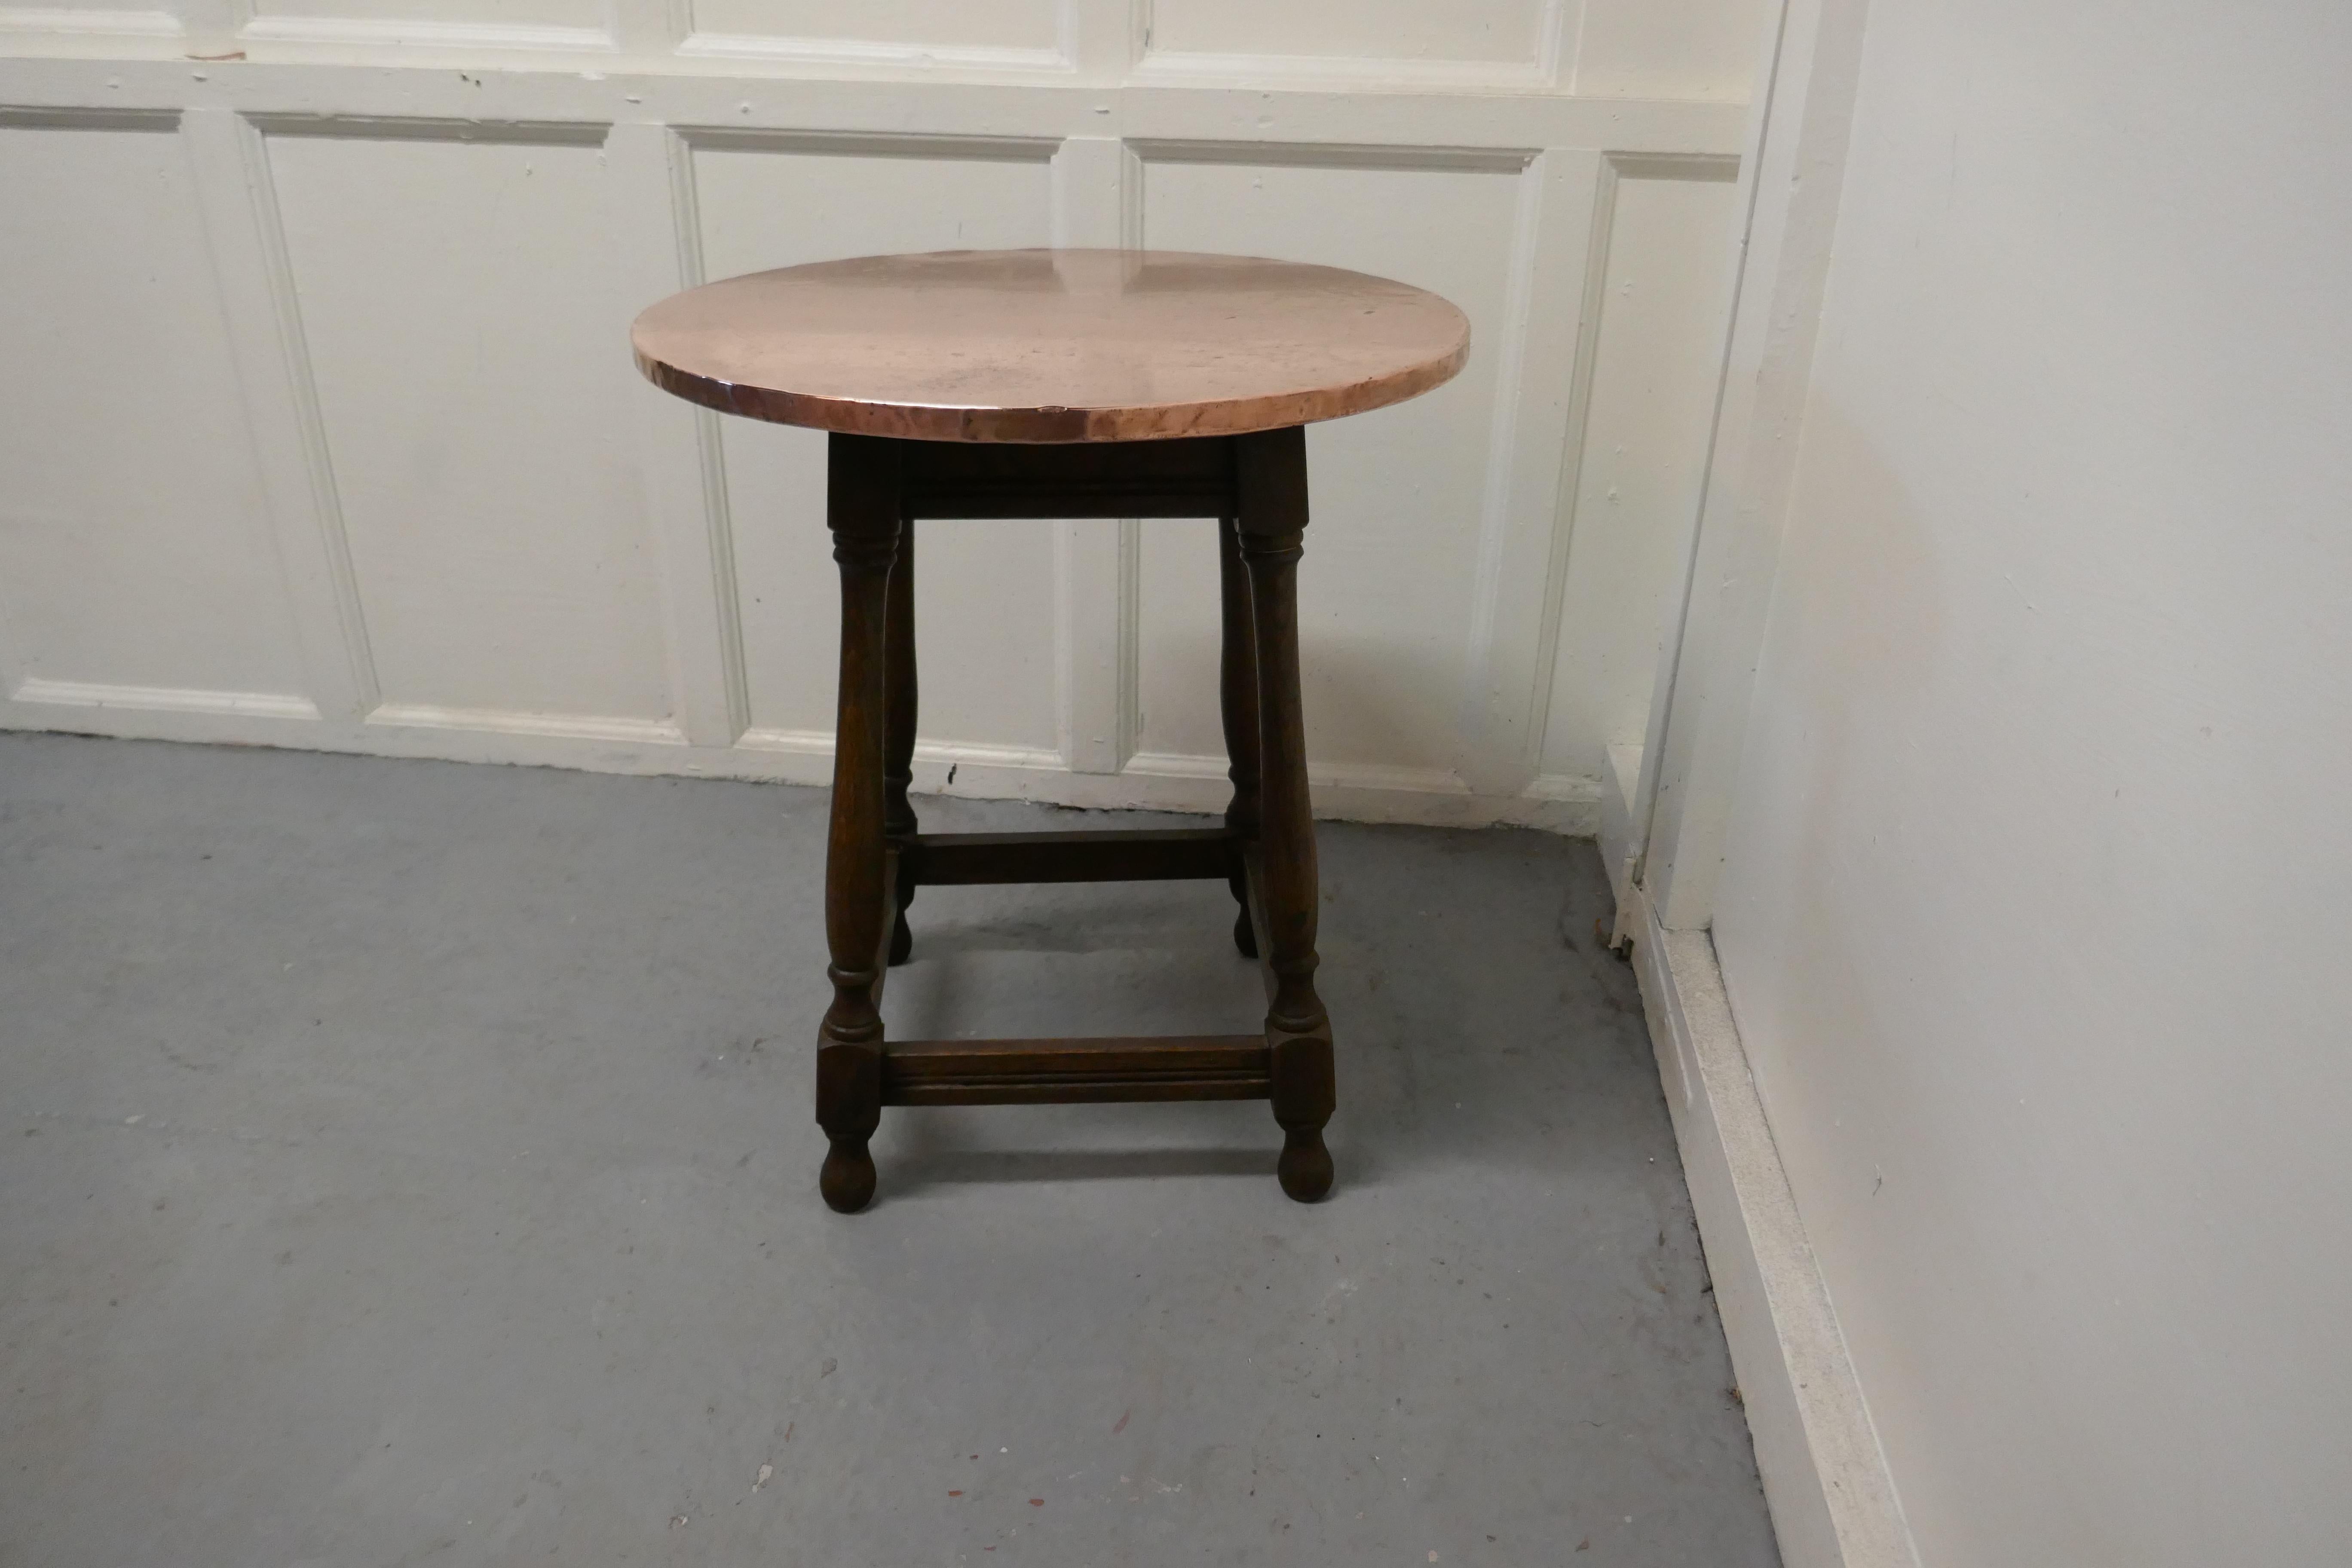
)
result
[(134, 549), (491, 540), (1644, 449), (882, 28), (985, 591), (468, 351), (1489, 32), (542, 22), (1670, 49), (88, 16), (1386, 591)]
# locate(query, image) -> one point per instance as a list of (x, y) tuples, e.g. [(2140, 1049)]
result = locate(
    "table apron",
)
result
[(1187, 477)]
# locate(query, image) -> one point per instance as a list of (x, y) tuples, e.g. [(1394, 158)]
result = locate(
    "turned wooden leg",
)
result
[(862, 509), (1272, 481), (898, 747), (1237, 694)]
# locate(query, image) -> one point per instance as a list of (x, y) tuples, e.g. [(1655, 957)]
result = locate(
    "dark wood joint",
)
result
[(1077, 1071), (1270, 481), (1145, 855)]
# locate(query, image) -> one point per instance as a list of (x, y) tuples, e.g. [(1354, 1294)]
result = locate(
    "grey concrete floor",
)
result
[(411, 1163)]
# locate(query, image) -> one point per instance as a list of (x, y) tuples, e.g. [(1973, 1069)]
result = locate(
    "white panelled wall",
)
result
[(320, 428)]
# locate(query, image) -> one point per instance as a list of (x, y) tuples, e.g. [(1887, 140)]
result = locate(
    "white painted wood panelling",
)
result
[(1398, 495), (460, 338), (1627, 49), (985, 592), (507, 23), (135, 556), (1661, 287), (98, 16), (1670, 49), (1399, 33), (1004, 32), (414, 486)]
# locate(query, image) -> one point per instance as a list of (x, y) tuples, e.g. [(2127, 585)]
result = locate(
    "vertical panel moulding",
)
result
[(1598, 179), (1130, 529), (655, 213), (1102, 39), (1520, 549), (1097, 565), (231, 163), (1562, 20), (1139, 33), (12, 670), (1626, 810)]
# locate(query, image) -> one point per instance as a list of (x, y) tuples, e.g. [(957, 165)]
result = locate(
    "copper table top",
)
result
[(1041, 346)]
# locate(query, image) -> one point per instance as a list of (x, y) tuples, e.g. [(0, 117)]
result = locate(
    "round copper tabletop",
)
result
[(1051, 345)]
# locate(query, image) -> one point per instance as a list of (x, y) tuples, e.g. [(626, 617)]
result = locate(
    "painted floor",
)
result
[(410, 1163)]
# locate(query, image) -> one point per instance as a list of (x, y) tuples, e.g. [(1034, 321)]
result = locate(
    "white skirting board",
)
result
[(1348, 792), (1833, 1502)]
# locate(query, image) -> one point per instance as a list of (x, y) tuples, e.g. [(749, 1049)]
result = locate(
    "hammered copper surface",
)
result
[(1051, 345)]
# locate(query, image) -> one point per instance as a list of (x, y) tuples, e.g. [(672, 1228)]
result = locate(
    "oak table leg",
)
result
[(898, 748), (862, 507), (1237, 697), (1270, 479), (876, 488)]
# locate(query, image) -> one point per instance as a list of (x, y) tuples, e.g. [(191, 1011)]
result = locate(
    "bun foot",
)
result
[(902, 941), (847, 1179), (1244, 938), (1306, 1165)]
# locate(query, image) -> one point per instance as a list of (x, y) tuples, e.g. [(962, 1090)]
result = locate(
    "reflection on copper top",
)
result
[(1051, 345)]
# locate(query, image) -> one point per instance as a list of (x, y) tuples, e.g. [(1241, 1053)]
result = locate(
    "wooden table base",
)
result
[(877, 488)]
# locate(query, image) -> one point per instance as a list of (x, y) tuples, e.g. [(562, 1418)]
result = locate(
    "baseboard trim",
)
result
[(1825, 1478), (37, 692), (1347, 792), (501, 722)]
